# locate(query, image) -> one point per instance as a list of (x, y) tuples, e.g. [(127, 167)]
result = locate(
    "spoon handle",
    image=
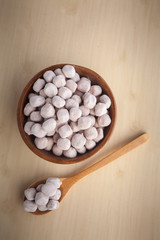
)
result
[(111, 157)]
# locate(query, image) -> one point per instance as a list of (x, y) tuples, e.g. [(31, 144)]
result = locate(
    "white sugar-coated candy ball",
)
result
[(77, 98), (58, 102), (58, 71), (69, 71), (38, 188), (28, 109), (95, 90), (89, 100), (51, 133), (74, 126), (84, 123), (104, 120), (84, 85), (90, 144), (49, 189), (52, 205), (29, 206), (55, 180), (30, 193), (56, 150), (93, 120), (59, 81), (64, 92), (31, 95), (42, 93), (47, 111), (81, 150), (91, 133), (105, 99), (38, 131), (63, 115), (41, 198), (63, 143), (35, 116), (85, 111), (50, 144), (37, 101), (49, 75), (49, 125), (55, 137), (27, 127), (50, 90), (65, 131), (100, 135), (57, 195), (92, 112), (78, 141), (38, 85), (71, 85), (41, 143), (76, 77), (74, 114), (70, 153), (100, 109), (78, 93), (49, 100), (42, 208), (70, 103)]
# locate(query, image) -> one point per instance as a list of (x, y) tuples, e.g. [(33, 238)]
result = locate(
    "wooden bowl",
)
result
[(29, 140)]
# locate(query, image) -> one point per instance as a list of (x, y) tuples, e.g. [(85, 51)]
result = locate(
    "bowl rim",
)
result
[(43, 154)]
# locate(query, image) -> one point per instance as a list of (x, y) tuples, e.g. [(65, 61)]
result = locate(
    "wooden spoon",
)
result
[(67, 183)]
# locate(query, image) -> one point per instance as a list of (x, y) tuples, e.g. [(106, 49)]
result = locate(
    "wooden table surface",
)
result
[(120, 40)]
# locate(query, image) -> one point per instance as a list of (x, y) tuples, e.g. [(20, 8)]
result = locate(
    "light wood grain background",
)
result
[(120, 40)]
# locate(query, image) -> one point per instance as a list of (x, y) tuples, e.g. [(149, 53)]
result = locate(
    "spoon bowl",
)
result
[(64, 189), (67, 183), (34, 185)]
